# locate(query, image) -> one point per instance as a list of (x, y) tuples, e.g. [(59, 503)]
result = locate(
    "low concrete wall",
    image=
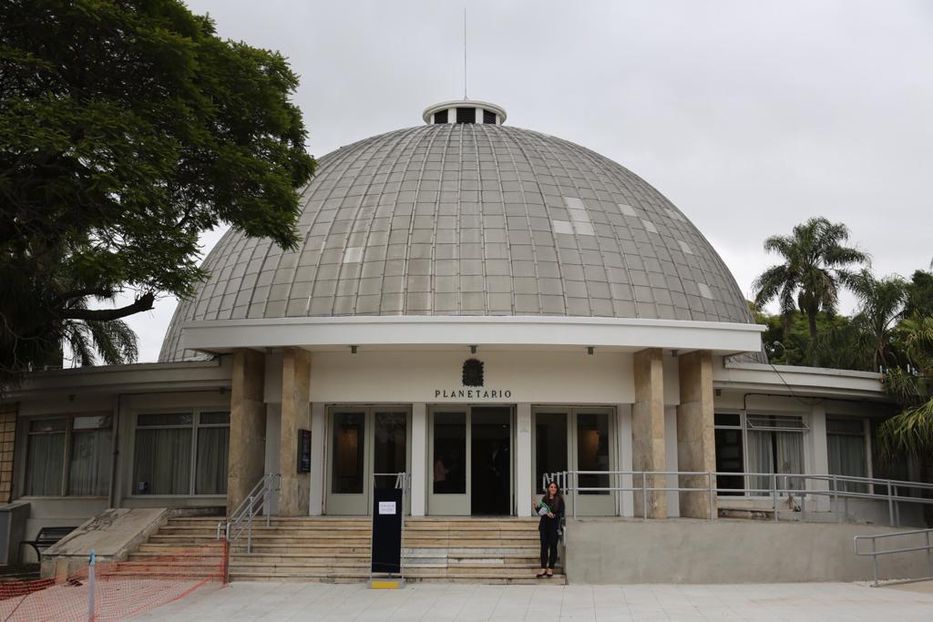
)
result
[(614, 551), (112, 535)]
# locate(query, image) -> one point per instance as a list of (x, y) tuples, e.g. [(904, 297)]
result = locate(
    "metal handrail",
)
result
[(874, 552), (258, 501), (569, 483), (402, 479)]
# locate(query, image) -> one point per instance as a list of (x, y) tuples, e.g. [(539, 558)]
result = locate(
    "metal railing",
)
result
[(794, 488), (257, 502), (402, 480), (874, 553)]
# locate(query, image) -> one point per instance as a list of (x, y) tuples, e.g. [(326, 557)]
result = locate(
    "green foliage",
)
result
[(126, 129), (911, 384), (839, 342), (919, 295), (815, 263), (881, 306)]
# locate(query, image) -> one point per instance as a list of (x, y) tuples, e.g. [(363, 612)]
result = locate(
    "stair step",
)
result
[(335, 550)]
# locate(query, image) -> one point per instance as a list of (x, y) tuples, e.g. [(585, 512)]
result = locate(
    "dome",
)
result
[(467, 219)]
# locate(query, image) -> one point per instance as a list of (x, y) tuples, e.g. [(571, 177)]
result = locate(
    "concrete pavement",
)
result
[(442, 602)]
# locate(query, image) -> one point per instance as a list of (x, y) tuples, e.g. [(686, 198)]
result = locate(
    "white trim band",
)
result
[(540, 331)]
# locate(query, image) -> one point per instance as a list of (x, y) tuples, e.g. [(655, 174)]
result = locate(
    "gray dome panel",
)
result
[(471, 219)]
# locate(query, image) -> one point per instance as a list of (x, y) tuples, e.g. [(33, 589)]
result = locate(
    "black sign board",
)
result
[(387, 530), (304, 451)]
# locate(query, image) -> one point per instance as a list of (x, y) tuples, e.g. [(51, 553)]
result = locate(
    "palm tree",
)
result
[(815, 265), (911, 384), (881, 306)]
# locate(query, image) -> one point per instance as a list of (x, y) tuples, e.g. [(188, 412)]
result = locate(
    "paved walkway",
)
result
[(320, 601)]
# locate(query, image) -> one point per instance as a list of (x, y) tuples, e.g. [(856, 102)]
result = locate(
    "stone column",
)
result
[(419, 458), (625, 457), (696, 441), (318, 475), (818, 460), (648, 452), (247, 450), (524, 470), (294, 498)]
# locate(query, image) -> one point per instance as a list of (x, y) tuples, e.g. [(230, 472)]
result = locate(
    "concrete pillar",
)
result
[(696, 440), (524, 471), (247, 449), (294, 498), (817, 460), (318, 474), (625, 457), (670, 455), (648, 431), (419, 458)]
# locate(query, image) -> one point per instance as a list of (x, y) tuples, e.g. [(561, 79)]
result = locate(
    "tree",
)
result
[(815, 265), (919, 294), (881, 306), (911, 384), (126, 129), (840, 342)]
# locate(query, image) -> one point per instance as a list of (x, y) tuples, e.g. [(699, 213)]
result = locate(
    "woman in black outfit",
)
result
[(551, 510)]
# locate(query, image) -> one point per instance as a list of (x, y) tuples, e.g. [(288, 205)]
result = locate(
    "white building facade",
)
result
[(473, 306)]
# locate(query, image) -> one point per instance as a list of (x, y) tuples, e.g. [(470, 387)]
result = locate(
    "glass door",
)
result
[(593, 451), (578, 439), (450, 437), (348, 487), (390, 450), (366, 445)]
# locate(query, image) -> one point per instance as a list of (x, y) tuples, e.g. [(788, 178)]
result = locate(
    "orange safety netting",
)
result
[(121, 589)]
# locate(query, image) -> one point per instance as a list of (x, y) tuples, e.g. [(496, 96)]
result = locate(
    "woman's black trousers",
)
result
[(548, 548)]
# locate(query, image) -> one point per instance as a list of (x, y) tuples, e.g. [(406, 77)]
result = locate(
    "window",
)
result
[(168, 444), (440, 116), (489, 117), (69, 456), (729, 456), (449, 453), (349, 430), (774, 445), (466, 115), (845, 444), (593, 452), (755, 443)]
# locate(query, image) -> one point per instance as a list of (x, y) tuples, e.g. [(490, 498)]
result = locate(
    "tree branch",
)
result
[(143, 303)]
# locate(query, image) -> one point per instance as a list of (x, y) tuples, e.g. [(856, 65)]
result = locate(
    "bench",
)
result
[(47, 537)]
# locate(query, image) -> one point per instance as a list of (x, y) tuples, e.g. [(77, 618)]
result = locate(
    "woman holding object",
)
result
[(551, 510)]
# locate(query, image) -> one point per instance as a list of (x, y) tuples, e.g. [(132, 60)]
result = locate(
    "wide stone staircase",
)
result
[(468, 550), (473, 550)]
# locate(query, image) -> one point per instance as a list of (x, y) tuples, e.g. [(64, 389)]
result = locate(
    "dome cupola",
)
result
[(464, 111)]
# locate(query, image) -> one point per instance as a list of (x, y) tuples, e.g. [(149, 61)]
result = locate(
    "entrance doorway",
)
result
[(491, 472), (368, 446), (471, 457), (585, 439)]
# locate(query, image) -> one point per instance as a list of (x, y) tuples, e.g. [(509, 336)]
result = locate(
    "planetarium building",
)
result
[(472, 307)]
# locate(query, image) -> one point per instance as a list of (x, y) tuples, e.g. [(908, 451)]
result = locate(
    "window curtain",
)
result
[(847, 457), (211, 476), (760, 460), (163, 461), (762, 446), (45, 462), (789, 458), (89, 470)]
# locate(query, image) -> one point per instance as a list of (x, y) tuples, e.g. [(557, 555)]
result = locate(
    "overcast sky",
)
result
[(750, 116)]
